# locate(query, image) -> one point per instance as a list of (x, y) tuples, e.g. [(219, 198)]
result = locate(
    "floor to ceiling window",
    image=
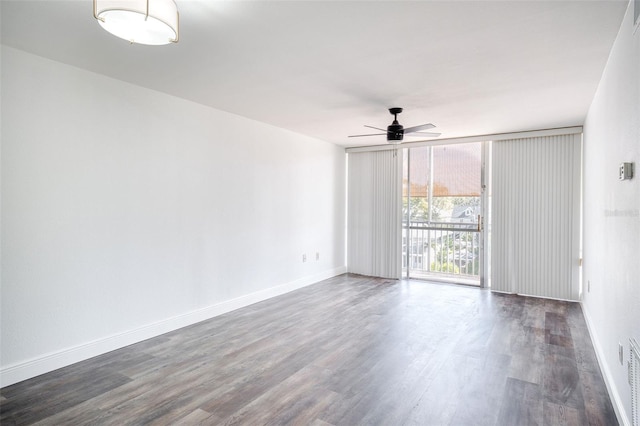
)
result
[(442, 209)]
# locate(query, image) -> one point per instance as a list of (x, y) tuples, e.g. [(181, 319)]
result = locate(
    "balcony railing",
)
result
[(447, 248)]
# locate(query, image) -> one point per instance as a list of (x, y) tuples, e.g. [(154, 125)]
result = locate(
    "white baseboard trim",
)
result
[(46, 363), (618, 406)]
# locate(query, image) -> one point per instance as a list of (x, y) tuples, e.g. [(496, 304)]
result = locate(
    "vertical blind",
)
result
[(374, 213), (535, 204)]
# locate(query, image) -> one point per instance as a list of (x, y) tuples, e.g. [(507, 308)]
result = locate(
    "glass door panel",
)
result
[(442, 205)]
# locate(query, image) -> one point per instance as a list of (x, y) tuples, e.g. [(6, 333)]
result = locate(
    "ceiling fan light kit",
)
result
[(151, 22), (395, 131)]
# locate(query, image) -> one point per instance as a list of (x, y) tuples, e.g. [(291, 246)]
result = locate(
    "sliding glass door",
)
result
[(442, 208)]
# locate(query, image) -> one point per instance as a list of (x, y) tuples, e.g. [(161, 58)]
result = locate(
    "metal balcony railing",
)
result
[(448, 248)]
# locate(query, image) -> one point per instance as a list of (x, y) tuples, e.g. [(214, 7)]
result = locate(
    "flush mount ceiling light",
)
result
[(152, 22)]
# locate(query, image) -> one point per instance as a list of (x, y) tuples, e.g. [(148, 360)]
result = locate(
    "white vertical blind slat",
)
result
[(535, 216), (374, 214)]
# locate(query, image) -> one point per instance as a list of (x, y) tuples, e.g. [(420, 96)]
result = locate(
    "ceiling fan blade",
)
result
[(372, 134), (377, 128), (418, 128), (424, 135)]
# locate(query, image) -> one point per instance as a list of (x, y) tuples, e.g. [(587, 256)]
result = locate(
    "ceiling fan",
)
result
[(395, 131)]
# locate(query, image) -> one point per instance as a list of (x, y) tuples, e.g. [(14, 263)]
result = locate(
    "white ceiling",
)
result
[(326, 68)]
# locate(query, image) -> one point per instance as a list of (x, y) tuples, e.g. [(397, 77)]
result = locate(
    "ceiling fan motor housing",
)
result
[(395, 131)]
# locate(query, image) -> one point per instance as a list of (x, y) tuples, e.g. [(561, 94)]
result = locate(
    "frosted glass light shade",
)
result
[(153, 22)]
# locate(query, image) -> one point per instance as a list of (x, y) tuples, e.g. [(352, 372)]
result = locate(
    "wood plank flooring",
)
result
[(351, 350)]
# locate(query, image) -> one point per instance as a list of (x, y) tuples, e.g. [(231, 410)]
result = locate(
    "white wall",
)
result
[(612, 212), (127, 213)]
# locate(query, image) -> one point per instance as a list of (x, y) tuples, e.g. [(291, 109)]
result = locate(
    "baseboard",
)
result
[(618, 406), (43, 364)]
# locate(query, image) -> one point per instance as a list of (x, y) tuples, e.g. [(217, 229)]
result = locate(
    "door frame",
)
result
[(484, 222)]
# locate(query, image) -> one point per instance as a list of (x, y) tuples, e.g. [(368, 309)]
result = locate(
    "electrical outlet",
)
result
[(304, 258), (621, 353), (625, 171), (317, 255), (588, 286)]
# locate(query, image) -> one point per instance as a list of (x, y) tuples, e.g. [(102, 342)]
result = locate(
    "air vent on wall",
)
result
[(634, 381)]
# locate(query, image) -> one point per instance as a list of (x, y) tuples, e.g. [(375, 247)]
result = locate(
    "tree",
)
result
[(419, 209)]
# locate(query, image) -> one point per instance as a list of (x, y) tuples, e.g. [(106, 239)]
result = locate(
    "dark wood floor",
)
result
[(350, 350)]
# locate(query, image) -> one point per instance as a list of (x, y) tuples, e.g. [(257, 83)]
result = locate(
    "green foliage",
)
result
[(441, 209), (419, 209), (445, 267)]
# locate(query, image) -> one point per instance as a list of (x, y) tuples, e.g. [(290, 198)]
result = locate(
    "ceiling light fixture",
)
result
[(153, 22)]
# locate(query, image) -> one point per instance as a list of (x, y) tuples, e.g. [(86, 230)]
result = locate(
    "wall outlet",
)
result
[(621, 353), (317, 255), (588, 286), (304, 258), (625, 171)]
